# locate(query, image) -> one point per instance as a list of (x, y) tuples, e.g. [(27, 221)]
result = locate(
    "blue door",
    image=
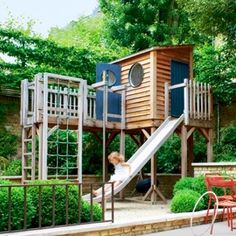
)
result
[(179, 72), (114, 100)]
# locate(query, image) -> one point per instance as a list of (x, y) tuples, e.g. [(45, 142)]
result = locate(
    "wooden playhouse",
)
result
[(138, 93)]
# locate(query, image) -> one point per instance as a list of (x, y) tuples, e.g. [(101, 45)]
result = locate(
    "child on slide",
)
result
[(122, 171)]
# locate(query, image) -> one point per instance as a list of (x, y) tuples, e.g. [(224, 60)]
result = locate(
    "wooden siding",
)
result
[(137, 99), (163, 68), (145, 105)]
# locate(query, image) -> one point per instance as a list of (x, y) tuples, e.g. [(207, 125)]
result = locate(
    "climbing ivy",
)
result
[(32, 55)]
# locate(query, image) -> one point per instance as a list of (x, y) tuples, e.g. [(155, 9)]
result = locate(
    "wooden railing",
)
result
[(200, 100), (198, 103), (27, 102), (58, 95), (91, 103)]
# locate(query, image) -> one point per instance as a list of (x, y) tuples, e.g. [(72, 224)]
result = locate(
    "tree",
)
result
[(88, 32), (217, 67), (212, 17), (144, 23)]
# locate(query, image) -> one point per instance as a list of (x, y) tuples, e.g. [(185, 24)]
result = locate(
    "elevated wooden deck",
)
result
[(53, 102)]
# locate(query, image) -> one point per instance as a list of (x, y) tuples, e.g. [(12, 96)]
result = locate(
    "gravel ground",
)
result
[(133, 209)]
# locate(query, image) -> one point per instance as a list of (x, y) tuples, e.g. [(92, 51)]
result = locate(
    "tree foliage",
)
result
[(88, 32), (140, 24), (225, 150), (212, 17), (32, 55), (144, 23), (217, 67)]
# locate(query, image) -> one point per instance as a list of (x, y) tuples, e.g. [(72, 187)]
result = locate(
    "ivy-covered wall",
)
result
[(10, 131), (227, 113)]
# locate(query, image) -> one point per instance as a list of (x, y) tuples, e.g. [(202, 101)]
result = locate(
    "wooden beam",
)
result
[(190, 132), (97, 137), (111, 138), (135, 139), (153, 174), (153, 84), (122, 142), (190, 155), (210, 146), (184, 151), (147, 135), (205, 133)]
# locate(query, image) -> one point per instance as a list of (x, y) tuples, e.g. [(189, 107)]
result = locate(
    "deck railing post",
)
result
[(86, 102), (44, 169), (166, 99), (81, 97), (186, 102)]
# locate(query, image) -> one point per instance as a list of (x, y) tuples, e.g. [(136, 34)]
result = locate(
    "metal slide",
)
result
[(145, 152)]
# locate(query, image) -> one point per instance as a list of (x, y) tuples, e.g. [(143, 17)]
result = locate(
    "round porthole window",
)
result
[(136, 75), (110, 76)]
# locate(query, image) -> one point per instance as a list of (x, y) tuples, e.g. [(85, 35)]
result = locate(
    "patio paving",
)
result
[(220, 229), (133, 209), (133, 212)]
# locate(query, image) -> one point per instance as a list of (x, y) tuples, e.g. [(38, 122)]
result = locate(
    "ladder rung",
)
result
[(27, 140), (27, 126), (27, 167), (28, 154)]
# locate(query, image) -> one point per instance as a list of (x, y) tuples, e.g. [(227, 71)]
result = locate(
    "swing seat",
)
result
[(144, 185)]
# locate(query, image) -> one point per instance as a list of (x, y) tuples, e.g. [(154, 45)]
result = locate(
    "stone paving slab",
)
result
[(131, 218), (220, 229)]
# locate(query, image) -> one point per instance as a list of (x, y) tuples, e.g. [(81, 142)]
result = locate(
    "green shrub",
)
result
[(225, 150), (17, 207), (8, 143), (3, 164), (169, 156), (184, 183), (185, 200), (196, 184), (86, 212), (14, 168), (60, 205)]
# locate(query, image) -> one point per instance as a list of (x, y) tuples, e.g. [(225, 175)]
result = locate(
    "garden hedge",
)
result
[(33, 196)]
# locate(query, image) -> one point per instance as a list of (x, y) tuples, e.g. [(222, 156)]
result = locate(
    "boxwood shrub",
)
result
[(16, 209), (196, 184), (185, 200), (17, 205), (60, 204)]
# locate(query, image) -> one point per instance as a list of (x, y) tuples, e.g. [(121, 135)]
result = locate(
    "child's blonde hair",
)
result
[(117, 156)]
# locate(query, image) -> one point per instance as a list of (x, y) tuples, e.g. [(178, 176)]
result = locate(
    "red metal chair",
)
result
[(226, 183)]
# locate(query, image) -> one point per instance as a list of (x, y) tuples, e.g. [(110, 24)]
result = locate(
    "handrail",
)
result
[(197, 100)]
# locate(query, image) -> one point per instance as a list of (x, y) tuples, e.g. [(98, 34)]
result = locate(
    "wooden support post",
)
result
[(184, 150), (210, 146), (122, 142), (44, 139), (104, 135), (123, 126), (190, 155), (153, 191), (40, 134), (81, 98), (153, 175), (33, 147)]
